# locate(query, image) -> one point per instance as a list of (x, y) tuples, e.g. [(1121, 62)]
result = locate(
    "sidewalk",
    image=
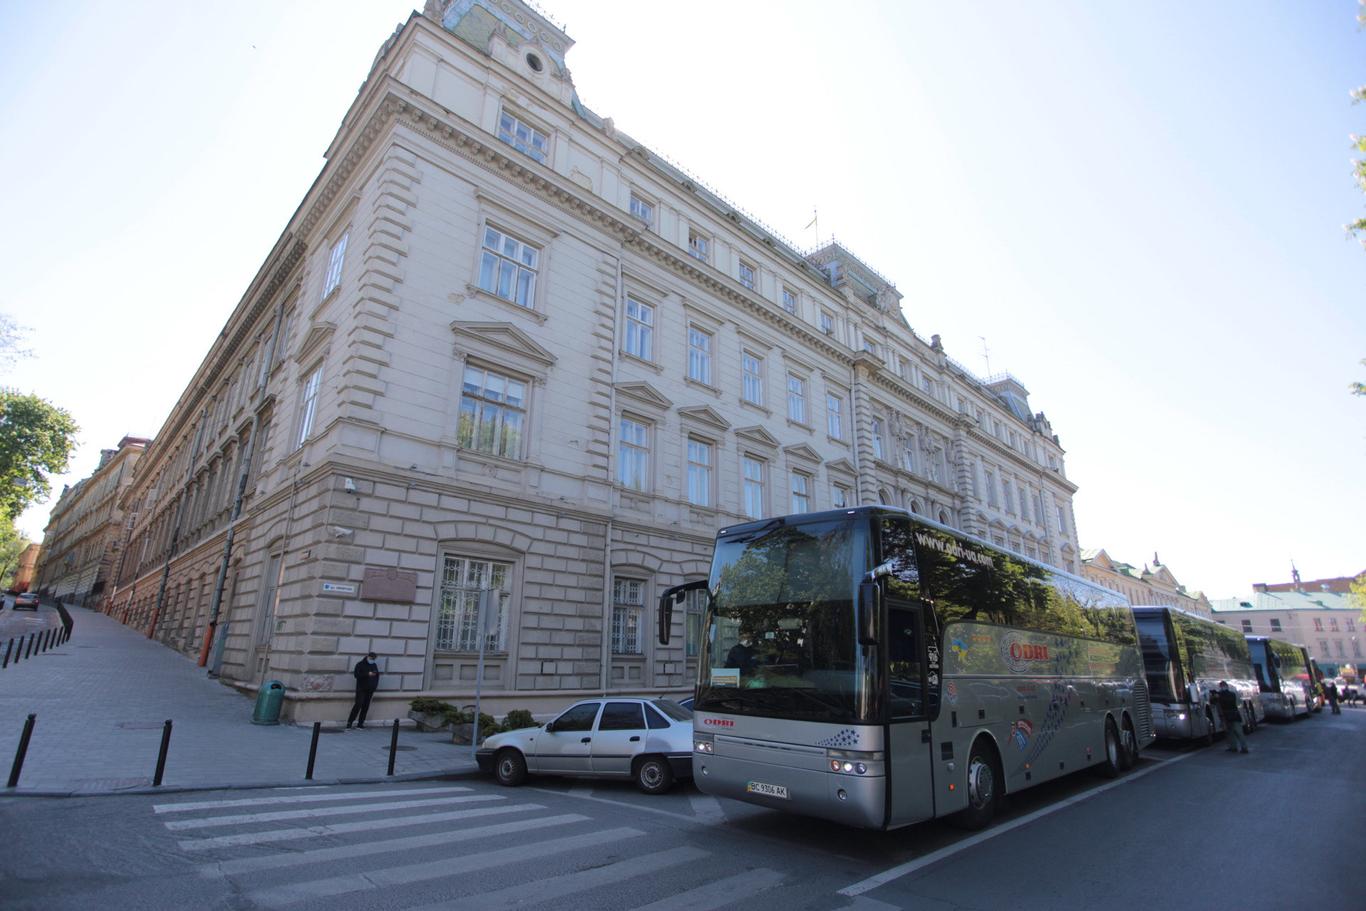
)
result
[(101, 700)]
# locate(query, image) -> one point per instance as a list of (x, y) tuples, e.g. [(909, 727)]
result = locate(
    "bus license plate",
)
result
[(768, 790)]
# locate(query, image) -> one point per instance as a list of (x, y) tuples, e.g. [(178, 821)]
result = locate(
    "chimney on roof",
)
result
[(1259, 586)]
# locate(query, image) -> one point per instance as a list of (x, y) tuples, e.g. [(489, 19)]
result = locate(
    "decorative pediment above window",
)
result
[(841, 466), (803, 452), (644, 394), (318, 337), (757, 434), (704, 414), (504, 337)]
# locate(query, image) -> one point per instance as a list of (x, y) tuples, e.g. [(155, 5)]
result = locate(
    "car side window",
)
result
[(621, 716), (578, 718), (655, 720)]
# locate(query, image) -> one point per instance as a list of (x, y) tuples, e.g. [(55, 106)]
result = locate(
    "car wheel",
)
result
[(984, 788), (653, 775), (509, 767)]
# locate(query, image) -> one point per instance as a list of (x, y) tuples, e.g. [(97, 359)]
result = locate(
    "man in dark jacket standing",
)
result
[(366, 673), (1233, 718)]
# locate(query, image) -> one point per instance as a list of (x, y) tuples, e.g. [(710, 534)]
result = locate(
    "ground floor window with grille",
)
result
[(628, 606), (457, 620), (695, 604)]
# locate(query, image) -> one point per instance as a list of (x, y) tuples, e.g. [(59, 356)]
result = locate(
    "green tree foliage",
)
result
[(1358, 227), (36, 440), (1358, 594)]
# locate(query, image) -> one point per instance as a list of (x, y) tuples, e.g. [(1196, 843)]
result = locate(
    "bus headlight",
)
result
[(703, 743), (849, 762)]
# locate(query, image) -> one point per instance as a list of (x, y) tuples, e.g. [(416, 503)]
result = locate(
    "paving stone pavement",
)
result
[(101, 700)]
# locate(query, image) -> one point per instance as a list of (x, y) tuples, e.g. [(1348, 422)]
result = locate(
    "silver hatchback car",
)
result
[(648, 740)]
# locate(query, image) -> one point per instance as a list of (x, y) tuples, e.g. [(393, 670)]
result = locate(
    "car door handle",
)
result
[(585, 739), (636, 739)]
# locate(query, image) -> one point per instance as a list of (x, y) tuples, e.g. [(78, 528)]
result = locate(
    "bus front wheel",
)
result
[(984, 788)]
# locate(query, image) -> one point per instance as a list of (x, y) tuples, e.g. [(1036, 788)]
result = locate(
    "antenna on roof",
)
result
[(986, 353)]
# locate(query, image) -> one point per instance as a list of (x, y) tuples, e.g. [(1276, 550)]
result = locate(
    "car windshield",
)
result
[(672, 709)]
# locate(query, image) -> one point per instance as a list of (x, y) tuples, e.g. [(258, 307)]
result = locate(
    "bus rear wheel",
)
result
[(984, 788), (1128, 743), (1112, 766)]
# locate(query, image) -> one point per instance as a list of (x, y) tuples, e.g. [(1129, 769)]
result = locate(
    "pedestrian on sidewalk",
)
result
[(1233, 718), (366, 673), (1330, 689)]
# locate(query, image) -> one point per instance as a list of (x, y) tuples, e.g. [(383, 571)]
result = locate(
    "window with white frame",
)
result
[(908, 453), (701, 455), (1275, 625), (1009, 492), (991, 490), (746, 274), (699, 245), (839, 496), (753, 491), (801, 492), (334, 265), (694, 605), (878, 447), (752, 386), (463, 580), (643, 209), (789, 300), (699, 355), (507, 268), (492, 412), (1318, 625), (523, 137), (796, 398), (628, 610), (834, 416), (640, 329), (309, 405), (633, 453), (1062, 521), (870, 346), (827, 322)]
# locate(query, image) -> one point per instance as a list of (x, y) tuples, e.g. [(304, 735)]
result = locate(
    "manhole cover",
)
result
[(401, 748), (139, 725)]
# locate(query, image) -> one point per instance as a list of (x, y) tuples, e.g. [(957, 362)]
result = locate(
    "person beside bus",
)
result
[(1227, 701), (1330, 689)]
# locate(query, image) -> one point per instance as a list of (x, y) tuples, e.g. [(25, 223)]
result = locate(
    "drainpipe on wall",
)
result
[(618, 303)]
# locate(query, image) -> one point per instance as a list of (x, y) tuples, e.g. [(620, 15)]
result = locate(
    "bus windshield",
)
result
[(780, 639), (1158, 658)]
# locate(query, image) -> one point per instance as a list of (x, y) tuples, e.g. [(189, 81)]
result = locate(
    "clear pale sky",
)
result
[(1139, 206)]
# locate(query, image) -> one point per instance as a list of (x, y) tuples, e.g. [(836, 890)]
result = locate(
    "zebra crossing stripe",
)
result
[(719, 893), (342, 828), (429, 870), (295, 798), (569, 883), (413, 843), (244, 819)]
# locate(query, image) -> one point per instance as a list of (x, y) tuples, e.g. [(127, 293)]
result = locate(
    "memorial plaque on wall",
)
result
[(387, 584)]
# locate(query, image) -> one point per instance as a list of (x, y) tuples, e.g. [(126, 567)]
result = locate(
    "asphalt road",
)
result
[(1186, 829)]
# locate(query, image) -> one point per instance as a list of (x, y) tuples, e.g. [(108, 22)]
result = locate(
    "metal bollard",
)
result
[(313, 750), (161, 757), (9, 648), (46, 640), (28, 652), (19, 753), (393, 747)]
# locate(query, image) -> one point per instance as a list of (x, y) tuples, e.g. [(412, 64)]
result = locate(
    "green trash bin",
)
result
[(268, 702)]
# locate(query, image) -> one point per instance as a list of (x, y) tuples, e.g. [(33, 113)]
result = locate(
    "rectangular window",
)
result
[(1009, 492), (699, 246), (752, 390), (699, 472), (834, 416), (1275, 625), (507, 268), (334, 265), (796, 399), (746, 274), (492, 413), (643, 209), (633, 454), (801, 492), (991, 492), (870, 346), (523, 137), (753, 487), (1337, 644), (1333, 624), (699, 355), (310, 405), (827, 323), (1062, 521), (628, 607), (877, 439), (908, 454), (1247, 626), (789, 300), (458, 624), (839, 496), (640, 329), (1318, 625)]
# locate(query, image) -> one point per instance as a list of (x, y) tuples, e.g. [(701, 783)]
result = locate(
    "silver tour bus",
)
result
[(1283, 676), (1185, 657), (869, 667)]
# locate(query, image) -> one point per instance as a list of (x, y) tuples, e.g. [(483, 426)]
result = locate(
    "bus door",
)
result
[(912, 691)]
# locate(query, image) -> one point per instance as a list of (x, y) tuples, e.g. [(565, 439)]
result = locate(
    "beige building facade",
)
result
[(1328, 623), (1154, 584), (85, 530), (501, 346)]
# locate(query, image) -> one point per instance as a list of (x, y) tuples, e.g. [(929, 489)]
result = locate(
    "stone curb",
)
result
[(452, 774)]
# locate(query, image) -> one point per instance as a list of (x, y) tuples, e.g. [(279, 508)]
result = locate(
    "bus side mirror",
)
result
[(666, 606), (869, 601)]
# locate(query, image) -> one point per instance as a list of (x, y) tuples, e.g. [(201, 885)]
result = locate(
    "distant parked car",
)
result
[(26, 601), (686, 703), (626, 737)]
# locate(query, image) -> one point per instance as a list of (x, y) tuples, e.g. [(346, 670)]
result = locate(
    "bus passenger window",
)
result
[(905, 662)]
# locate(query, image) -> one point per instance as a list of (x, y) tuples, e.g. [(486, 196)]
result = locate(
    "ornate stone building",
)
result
[(1154, 584), (84, 533), (503, 346)]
